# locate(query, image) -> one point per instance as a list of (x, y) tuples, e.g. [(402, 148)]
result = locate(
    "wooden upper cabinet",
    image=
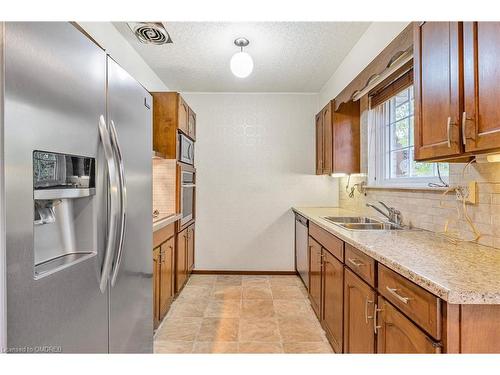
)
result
[(183, 120), (319, 143), (326, 113), (359, 302), (481, 117), (171, 114), (333, 291), (438, 88), (192, 124), (346, 138), (315, 276), (337, 139), (398, 334)]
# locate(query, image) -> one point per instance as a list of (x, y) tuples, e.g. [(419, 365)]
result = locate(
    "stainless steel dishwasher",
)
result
[(301, 248)]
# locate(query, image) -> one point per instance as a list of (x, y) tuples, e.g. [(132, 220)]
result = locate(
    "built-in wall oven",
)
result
[(185, 149), (187, 194)]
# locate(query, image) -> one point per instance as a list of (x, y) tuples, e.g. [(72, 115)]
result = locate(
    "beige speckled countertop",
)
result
[(463, 273), (164, 221)]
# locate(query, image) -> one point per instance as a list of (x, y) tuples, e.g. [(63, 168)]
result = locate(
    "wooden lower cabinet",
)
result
[(359, 300), (163, 272), (398, 334), (332, 301), (166, 276), (156, 287), (181, 271), (315, 266), (190, 248)]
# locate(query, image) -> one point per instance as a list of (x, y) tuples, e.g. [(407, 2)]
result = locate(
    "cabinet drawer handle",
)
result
[(394, 292), (367, 301), (375, 311), (356, 262)]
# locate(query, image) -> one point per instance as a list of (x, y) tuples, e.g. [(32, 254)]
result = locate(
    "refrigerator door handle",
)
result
[(123, 202), (113, 203)]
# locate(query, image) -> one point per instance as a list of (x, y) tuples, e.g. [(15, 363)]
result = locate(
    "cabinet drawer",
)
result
[(422, 307), (331, 243), (360, 263), (163, 234)]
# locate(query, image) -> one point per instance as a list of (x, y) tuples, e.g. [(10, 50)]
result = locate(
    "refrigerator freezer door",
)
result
[(131, 297), (54, 95)]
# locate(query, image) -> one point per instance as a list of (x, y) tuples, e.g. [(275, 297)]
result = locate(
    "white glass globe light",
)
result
[(241, 64)]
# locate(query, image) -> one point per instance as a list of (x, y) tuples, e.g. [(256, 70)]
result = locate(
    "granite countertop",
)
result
[(162, 222), (462, 273)]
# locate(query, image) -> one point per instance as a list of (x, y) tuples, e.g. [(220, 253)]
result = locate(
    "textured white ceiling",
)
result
[(288, 56)]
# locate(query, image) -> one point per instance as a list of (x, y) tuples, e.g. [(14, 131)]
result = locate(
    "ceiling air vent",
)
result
[(150, 32)]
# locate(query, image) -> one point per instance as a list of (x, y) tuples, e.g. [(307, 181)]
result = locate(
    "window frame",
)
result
[(379, 152)]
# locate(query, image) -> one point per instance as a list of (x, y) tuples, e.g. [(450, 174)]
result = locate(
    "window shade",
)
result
[(388, 91)]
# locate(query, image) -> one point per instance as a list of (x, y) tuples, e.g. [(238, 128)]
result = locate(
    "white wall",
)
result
[(124, 54), (255, 160), (372, 42)]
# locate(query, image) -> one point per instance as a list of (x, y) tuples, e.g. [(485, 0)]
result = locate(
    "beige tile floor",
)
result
[(241, 314)]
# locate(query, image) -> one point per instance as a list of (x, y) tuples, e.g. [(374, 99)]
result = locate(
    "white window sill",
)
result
[(405, 187)]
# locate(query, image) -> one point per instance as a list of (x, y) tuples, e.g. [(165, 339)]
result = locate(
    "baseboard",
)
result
[(233, 272)]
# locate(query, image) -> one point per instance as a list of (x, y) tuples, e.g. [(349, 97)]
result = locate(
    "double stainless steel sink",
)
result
[(361, 223)]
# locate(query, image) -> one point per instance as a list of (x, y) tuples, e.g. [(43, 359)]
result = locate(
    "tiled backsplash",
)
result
[(423, 209), (164, 176)]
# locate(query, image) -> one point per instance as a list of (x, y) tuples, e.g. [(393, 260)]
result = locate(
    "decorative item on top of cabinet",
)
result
[(332, 296), (171, 114), (359, 308), (481, 116), (438, 88), (338, 139)]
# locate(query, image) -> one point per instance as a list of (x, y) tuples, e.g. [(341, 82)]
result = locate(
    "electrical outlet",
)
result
[(468, 191)]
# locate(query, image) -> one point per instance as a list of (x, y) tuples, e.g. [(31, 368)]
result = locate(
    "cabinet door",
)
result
[(333, 303), (183, 116), (481, 117), (190, 248), (438, 90), (166, 273), (156, 287), (398, 334), (315, 276), (181, 260), (346, 138), (327, 139), (359, 302), (192, 124), (319, 143)]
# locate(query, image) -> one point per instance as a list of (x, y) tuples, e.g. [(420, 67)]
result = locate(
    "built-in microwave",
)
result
[(185, 149)]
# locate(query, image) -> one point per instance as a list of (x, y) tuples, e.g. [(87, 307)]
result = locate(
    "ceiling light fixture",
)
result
[(241, 62)]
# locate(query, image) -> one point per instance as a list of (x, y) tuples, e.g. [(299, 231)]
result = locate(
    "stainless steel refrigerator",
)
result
[(77, 144)]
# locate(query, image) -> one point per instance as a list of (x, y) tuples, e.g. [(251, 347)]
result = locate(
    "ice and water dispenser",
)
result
[(64, 210)]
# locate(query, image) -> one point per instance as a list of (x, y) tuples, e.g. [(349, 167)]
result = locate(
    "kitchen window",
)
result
[(391, 146)]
